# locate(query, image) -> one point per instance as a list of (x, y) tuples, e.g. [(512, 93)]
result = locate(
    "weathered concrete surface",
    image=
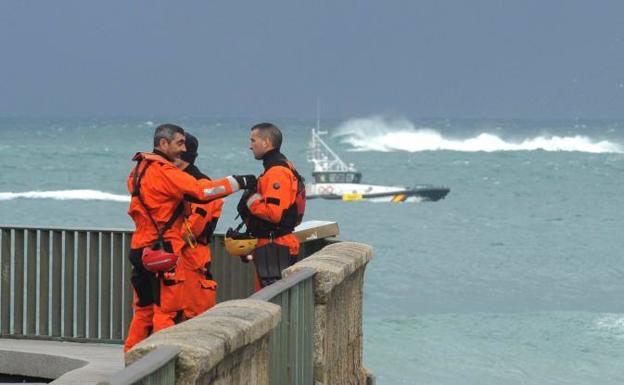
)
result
[(67, 362), (333, 264), (225, 345), (338, 291)]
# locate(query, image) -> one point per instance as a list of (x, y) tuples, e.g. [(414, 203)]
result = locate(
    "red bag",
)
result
[(158, 260)]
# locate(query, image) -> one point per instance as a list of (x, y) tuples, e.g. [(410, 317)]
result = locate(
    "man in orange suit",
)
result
[(271, 212), (158, 189), (200, 289)]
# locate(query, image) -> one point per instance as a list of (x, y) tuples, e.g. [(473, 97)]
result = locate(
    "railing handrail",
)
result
[(273, 290), (60, 228), (143, 367), (306, 231)]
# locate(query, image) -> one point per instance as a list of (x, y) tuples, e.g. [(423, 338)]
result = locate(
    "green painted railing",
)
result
[(64, 284), (156, 368), (72, 285), (291, 344)]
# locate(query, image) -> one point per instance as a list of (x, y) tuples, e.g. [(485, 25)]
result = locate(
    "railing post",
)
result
[(68, 280), (117, 289), (18, 283), (44, 282), (31, 283), (57, 284), (81, 284), (5, 282), (126, 286), (105, 284), (94, 274)]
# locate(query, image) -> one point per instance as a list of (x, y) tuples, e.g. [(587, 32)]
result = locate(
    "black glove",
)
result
[(246, 182)]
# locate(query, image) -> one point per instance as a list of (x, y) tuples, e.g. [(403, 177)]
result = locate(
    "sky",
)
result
[(419, 58)]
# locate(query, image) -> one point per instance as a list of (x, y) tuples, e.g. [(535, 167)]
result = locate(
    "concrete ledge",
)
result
[(333, 264), (311, 230), (206, 340), (64, 362), (37, 364)]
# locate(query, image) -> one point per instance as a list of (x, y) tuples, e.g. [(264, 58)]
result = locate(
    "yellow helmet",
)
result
[(239, 244)]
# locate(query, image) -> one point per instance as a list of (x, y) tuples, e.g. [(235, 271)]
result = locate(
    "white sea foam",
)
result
[(381, 134), (66, 195), (612, 323)]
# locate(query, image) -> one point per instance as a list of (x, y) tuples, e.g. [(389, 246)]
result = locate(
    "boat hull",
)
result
[(374, 193)]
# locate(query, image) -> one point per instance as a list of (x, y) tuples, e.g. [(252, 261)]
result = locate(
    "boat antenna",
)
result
[(318, 114), (319, 153)]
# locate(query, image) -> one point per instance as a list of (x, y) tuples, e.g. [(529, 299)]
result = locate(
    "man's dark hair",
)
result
[(269, 130), (166, 131)]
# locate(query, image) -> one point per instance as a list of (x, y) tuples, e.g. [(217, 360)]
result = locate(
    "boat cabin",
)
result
[(337, 176)]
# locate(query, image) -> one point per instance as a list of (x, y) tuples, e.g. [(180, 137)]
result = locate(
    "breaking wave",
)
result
[(380, 134), (612, 324), (86, 195)]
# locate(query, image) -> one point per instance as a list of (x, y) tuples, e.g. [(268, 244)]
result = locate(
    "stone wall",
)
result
[(227, 345), (338, 292), (224, 346)]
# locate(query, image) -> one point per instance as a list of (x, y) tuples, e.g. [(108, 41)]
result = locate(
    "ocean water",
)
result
[(517, 277)]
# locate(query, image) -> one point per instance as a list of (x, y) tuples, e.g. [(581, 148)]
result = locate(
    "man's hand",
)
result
[(246, 182)]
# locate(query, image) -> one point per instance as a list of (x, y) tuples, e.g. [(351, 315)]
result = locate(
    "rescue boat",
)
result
[(335, 179)]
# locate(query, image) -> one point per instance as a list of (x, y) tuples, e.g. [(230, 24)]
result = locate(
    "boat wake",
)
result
[(380, 134), (86, 195)]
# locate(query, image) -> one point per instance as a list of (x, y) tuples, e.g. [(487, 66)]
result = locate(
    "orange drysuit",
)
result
[(273, 204), (199, 286), (162, 189)]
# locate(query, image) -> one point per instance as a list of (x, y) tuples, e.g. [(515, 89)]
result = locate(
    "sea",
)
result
[(516, 277)]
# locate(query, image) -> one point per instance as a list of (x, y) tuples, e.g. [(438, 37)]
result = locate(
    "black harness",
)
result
[(262, 228), (136, 192)]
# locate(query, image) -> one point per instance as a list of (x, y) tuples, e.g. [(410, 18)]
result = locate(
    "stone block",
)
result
[(205, 341), (333, 264), (338, 292)]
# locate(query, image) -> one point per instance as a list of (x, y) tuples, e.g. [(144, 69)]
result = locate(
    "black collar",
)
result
[(273, 157), (192, 170), (158, 152)]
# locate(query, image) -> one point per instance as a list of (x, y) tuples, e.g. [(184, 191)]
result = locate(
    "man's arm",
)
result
[(277, 188), (180, 183)]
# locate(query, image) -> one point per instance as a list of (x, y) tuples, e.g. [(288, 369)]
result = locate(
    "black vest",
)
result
[(259, 227)]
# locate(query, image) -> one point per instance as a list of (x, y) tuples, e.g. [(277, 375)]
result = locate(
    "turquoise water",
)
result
[(515, 278)]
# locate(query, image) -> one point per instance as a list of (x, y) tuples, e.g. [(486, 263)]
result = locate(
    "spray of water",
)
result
[(85, 195), (382, 134)]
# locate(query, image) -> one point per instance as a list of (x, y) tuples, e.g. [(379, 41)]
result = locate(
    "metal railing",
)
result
[(73, 285), (65, 284), (291, 344), (155, 368)]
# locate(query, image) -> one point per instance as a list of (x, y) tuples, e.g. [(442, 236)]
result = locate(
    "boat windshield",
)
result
[(337, 177)]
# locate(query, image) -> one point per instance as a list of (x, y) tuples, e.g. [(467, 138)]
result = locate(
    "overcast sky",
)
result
[(418, 58)]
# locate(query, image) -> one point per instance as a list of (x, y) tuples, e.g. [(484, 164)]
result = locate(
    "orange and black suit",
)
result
[(200, 289), (162, 188), (270, 213)]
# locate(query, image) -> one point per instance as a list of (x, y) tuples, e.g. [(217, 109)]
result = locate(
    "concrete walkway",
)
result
[(67, 362)]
